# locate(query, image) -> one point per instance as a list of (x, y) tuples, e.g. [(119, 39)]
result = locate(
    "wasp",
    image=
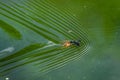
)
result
[(68, 43)]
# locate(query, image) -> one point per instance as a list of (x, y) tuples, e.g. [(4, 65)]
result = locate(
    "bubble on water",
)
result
[(6, 78)]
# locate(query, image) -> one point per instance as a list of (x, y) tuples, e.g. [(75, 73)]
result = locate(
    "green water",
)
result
[(32, 32)]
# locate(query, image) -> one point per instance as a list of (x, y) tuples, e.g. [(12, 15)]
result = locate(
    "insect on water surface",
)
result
[(68, 43)]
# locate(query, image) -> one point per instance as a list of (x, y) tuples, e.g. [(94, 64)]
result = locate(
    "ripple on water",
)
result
[(52, 24)]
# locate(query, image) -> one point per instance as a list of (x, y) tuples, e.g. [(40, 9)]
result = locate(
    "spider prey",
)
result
[(68, 43)]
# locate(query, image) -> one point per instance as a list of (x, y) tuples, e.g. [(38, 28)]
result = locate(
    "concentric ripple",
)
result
[(47, 21)]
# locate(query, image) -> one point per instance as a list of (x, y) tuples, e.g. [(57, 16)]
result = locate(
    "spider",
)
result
[(68, 43)]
